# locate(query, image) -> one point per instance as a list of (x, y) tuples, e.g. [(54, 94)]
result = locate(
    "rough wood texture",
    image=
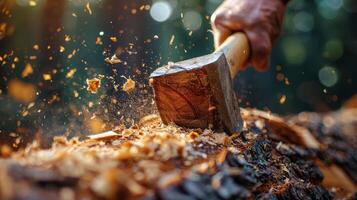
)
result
[(155, 161), (198, 93)]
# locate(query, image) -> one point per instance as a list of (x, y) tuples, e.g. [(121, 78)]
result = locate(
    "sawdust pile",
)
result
[(160, 161)]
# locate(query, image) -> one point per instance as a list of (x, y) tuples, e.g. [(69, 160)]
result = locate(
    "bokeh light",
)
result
[(303, 21), (328, 76), (161, 11), (294, 51), (22, 2), (31, 3), (329, 8), (192, 20), (333, 49)]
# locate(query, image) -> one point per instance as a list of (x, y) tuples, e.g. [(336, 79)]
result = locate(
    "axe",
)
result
[(198, 93)]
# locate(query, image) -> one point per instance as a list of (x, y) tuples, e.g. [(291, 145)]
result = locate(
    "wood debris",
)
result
[(282, 99), (113, 60), (172, 40), (93, 85), (88, 8), (71, 73), (156, 161), (27, 71), (105, 135), (114, 39), (47, 77), (129, 85)]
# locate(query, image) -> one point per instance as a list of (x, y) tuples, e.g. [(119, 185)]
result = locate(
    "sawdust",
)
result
[(133, 162), (109, 155)]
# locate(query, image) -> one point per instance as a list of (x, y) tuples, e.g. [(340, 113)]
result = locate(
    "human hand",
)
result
[(260, 20)]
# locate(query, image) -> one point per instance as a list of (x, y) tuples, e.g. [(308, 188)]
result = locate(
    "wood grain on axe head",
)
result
[(197, 93)]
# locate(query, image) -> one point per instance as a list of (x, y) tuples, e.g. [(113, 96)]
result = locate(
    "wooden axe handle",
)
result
[(236, 49)]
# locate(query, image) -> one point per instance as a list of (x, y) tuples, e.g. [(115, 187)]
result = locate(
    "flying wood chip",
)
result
[(47, 77), (70, 73), (93, 85), (27, 71), (129, 85), (113, 60)]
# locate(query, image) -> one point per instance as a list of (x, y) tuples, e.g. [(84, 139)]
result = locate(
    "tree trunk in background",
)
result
[(51, 39)]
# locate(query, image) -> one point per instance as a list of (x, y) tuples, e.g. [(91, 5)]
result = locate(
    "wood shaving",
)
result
[(88, 8), (113, 60), (172, 40), (105, 135)]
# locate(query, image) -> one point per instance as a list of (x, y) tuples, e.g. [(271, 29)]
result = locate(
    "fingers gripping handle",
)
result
[(236, 49)]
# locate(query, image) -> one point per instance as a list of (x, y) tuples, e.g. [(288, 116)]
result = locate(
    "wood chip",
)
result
[(103, 136), (129, 85), (93, 85)]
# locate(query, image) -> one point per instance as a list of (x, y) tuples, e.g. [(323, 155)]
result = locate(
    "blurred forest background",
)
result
[(50, 47)]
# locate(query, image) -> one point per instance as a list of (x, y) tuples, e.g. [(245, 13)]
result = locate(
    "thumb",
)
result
[(220, 34)]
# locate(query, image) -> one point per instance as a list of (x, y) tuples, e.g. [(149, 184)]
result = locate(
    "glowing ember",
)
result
[(93, 85)]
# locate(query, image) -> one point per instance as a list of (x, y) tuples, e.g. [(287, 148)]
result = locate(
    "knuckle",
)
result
[(216, 18), (260, 64)]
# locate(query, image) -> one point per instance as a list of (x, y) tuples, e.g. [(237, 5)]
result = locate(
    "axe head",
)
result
[(197, 93)]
